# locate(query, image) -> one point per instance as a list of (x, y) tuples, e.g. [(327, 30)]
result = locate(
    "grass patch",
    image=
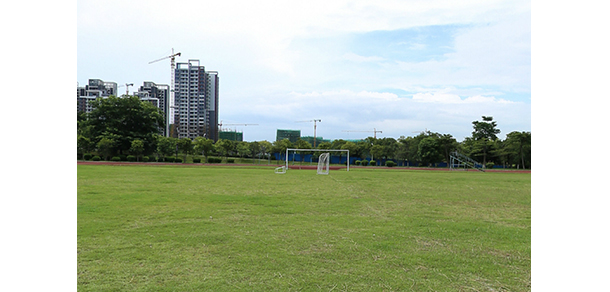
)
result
[(167, 228)]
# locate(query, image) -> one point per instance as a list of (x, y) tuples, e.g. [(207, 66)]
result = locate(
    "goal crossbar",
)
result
[(317, 150)]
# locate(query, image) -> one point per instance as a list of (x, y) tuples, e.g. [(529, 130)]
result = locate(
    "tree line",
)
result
[(129, 126)]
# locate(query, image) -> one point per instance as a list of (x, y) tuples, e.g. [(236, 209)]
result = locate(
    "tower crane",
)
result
[(172, 57), (422, 132), (127, 87), (220, 125), (374, 132), (314, 129)]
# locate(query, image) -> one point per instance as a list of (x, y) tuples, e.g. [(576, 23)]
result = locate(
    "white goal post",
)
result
[(324, 163), (316, 150)]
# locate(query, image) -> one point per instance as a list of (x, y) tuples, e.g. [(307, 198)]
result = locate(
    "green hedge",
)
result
[(364, 162), (196, 160), (115, 158), (88, 156), (145, 158), (373, 163), (131, 158), (390, 163), (178, 160), (96, 158), (214, 160)]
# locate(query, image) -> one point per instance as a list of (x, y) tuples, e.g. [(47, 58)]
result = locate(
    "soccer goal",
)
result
[(294, 151), (324, 163), (280, 170)]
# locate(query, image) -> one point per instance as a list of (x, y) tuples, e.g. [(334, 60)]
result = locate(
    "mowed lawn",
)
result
[(211, 228)]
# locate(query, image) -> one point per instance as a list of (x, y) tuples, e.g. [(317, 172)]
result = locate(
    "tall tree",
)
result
[(428, 150), (376, 151), (105, 146), (266, 147), (447, 144), (520, 143), (484, 134), (254, 148), (224, 147), (185, 145), (302, 144), (351, 147), (137, 147), (203, 145), (126, 119), (83, 145), (243, 148), (281, 146), (166, 146), (389, 147)]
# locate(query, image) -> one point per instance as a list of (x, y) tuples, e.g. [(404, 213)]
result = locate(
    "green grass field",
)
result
[(205, 228)]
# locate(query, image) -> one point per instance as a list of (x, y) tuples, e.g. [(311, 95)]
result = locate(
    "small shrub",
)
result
[(357, 162), (373, 163), (123, 157), (131, 158), (489, 165), (96, 158), (88, 156), (145, 158), (364, 162), (178, 160), (230, 160), (196, 160), (214, 160), (115, 158), (390, 163), (169, 159)]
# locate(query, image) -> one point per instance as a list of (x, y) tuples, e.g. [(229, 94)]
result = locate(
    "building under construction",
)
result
[(231, 135), (318, 140), (291, 135)]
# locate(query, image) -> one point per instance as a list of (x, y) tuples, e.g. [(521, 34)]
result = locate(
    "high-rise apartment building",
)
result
[(158, 95), (196, 104), (94, 89)]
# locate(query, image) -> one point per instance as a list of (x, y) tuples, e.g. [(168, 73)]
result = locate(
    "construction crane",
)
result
[(172, 57), (314, 129), (374, 132), (127, 87), (422, 132), (220, 125)]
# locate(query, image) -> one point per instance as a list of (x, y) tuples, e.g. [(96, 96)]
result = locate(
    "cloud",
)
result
[(357, 58), (446, 98), (398, 66), (396, 116)]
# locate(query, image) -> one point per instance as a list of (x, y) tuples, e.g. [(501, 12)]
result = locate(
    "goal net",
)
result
[(324, 163), (324, 158)]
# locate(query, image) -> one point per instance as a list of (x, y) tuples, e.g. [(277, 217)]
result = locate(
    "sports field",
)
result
[(211, 228)]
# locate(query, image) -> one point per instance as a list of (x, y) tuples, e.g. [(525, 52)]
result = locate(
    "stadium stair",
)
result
[(465, 160)]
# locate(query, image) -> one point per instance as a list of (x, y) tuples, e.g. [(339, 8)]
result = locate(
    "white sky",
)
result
[(396, 66)]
